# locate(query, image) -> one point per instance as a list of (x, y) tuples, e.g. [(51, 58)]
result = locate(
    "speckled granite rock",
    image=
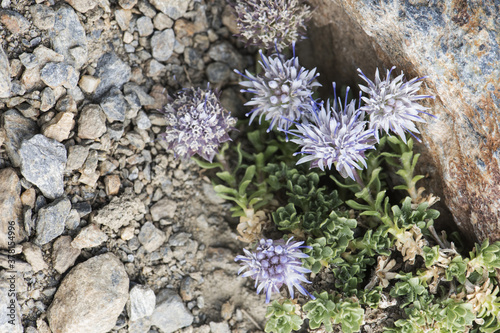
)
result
[(455, 44)]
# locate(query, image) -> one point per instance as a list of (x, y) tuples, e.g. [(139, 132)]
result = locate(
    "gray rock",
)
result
[(142, 302), (76, 157), (5, 84), (91, 297), (114, 105), (67, 33), (163, 208), (56, 74), (90, 236), (63, 254), (92, 122), (123, 17), (226, 53), (127, 4), (83, 6), (462, 68), (193, 58), (10, 312), (139, 326), (162, 22), (173, 8), (11, 207), (120, 211), (144, 26), (42, 163), (112, 71), (144, 98), (59, 127), (43, 16), (211, 195), (17, 128), (155, 68), (73, 220), (170, 313), (142, 121), (47, 99), (218, 72), (29, 60), (151, 237), (162, 44), (34, 257), (222, 327), (51, 220), (14, 22), (179, 239)]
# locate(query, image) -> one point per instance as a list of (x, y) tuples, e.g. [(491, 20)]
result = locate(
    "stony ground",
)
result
[(112, 232)]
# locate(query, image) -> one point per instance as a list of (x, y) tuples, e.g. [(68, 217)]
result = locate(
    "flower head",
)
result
[(196, 123), (335, 135), (392, 104), (283, 91), (273, 264), (268, 22)]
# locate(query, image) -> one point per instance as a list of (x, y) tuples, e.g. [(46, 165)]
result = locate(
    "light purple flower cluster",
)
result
[(335, 135), (196, 124), (273, 264), (267, 23), (283, 92), (392, 104)]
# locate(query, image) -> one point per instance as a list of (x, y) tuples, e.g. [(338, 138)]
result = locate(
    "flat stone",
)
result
[(56, 74), (226, 53), (144, 26), (113, 104), (92, 122), (222, 327), (184, 28), (42, 163), (10, 316), (28, 197), (83, 6), (91, 296), (144, 98), (123, 17), (51, 220), (34, 257), (89, 179), (17, 128), (170, 313), (162, 44), (73, 220), (11, 207), (47, 99), (5, 84), (163, 208), (59, 127), (120, 211), (88, 83), (43, 16), (68, 33), (162, 22), (63, 254), (218, 72), (89, 236), (142, 121), (173, 8), (112, 184), (127, 4), (142, 302), (151, 237), (76, 157), (14, 22), (112, 71)]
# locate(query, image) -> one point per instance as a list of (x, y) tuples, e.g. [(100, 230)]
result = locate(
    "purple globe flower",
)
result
[(275, 263), (267, 23), (335, 136), (283, 92), (392, 104), (196, 124)]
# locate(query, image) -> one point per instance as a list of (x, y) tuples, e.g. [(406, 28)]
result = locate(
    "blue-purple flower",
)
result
[(335, 135), (196, 124), (273, 264), (283, 92), (267, 23), (392, 104)]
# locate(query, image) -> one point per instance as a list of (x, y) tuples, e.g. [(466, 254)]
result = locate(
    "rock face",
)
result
[(91, 297), (455, 44)]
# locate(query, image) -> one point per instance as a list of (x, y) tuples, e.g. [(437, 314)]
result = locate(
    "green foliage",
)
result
[(328, 310), (286, 218), (411, 291), (455, 316), (370, 298), (281, 318), (431, 255), (351, 272), (320, 254), (405, 216), (456, 269), (374, 243), (485, 256)]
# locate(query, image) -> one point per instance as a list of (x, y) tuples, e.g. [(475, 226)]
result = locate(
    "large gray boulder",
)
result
[(455, 44)]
